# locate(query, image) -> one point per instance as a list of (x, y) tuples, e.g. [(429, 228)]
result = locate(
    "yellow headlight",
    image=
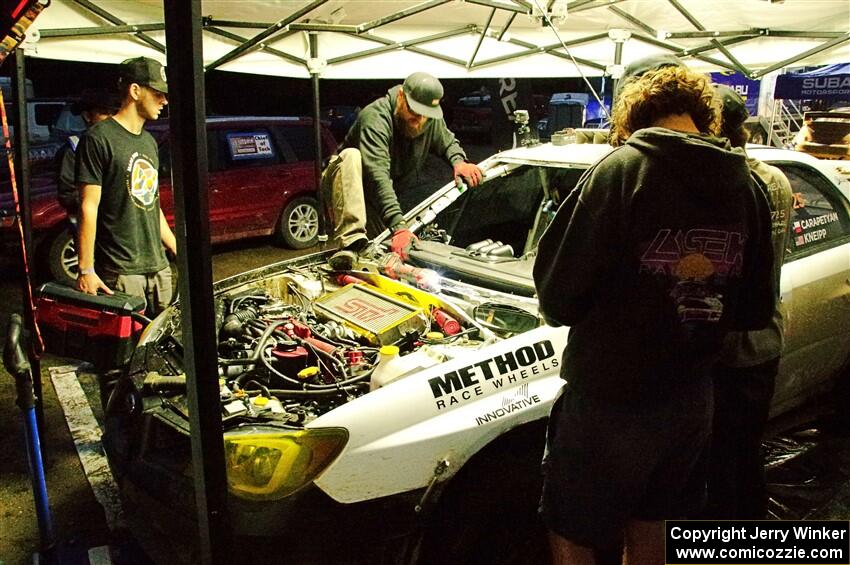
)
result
[(271, 466)]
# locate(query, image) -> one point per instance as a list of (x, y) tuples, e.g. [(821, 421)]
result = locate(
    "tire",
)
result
[(298, 226), (62, 258)]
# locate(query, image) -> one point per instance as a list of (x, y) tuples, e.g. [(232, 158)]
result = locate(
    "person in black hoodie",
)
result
[(662, 247)]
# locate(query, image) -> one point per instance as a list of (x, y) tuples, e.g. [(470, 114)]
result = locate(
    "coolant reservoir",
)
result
[(391, 366)]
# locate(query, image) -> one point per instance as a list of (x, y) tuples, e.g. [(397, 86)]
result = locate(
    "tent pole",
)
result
[(314, 66), (91, 7), (481, 38), (814, 50), (22, 170), (188, 137)]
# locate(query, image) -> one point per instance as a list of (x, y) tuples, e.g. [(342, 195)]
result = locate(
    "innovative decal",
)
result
[(497, 372), (510, 403)]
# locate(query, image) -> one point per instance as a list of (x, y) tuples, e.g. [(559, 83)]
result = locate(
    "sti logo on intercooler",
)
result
[(363, 311), (498, 371)]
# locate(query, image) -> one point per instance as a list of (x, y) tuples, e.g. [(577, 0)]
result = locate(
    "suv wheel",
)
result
[(298, 227), (62, 257)]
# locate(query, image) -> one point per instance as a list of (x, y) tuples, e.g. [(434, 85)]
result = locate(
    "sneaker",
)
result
[(343, 260)]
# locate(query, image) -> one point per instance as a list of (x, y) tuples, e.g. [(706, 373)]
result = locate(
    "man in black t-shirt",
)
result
[(122, 228)]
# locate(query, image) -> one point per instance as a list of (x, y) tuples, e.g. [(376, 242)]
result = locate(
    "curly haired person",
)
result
[(662, 247)]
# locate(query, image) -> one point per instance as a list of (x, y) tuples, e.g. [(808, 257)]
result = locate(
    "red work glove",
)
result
[(401, 242), (468, 171)]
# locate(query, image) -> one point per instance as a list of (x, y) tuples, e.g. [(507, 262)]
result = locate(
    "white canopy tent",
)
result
[(457, 38)]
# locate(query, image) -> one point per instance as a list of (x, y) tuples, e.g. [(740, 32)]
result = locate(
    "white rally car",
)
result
[(441, 463)]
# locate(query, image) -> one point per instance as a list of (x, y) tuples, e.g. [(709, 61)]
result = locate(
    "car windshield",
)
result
[(513, 209), (486, 235)]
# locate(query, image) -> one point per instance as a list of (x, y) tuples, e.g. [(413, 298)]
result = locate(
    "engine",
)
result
[(296, 344)]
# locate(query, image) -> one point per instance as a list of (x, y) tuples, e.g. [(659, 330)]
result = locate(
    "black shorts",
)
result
[(605, 465)]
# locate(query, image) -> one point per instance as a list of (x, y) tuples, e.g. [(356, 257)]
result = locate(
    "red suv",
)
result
[(260, 178)]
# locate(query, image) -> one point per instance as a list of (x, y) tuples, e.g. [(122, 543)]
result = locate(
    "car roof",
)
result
[(547, 154)]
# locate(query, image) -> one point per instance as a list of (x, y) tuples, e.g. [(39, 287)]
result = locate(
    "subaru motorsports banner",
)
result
[(830, 82), (762, 542)]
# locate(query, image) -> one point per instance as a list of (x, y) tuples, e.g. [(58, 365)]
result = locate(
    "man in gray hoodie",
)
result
[(745, 377), (382, 154)]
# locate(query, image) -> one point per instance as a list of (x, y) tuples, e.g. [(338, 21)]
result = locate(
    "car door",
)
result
[(242, 191), (166, 195), (815, 286)]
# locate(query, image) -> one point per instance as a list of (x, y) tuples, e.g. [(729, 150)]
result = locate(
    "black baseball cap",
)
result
[(423, 93), (733, 108), (146, 72)]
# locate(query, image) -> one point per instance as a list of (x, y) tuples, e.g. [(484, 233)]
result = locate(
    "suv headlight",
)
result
[(273, 465)]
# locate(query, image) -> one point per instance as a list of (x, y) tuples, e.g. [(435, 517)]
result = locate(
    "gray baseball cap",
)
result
[(144, 71), (423, 94), (638, 67)]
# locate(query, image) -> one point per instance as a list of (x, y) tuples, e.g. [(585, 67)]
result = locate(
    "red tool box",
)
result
[(98, 329)]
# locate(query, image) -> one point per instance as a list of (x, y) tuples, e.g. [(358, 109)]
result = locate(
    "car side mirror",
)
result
[(505, 318)]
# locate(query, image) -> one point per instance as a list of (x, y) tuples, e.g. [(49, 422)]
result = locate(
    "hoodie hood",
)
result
[(683, 150)]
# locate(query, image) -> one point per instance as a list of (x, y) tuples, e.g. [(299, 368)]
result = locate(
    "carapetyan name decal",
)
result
[(498, 371)]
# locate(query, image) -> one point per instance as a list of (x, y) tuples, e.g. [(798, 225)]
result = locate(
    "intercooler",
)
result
[(380, 318)]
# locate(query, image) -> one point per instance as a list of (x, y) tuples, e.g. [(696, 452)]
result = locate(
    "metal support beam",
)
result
[(22, 177), (117, 21), (401, 14), (187, 125), (481, 37), (210, 21), (575, 4), (712, 34), (806, 34), (498, 6), (552, 49), (267, 49), (317, 130), (92, 31), (410, 45), (633, 20), (323, 27), (618, 60), (711, 46), (265, 34), (738, 66), (813, 51), (588, 7), (506, 27), (681, 51)]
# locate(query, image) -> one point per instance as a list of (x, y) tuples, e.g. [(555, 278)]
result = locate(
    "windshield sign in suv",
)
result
[(402, 407), (261, 184)]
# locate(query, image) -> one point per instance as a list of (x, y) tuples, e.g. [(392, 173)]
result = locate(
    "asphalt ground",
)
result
[(808, 464)]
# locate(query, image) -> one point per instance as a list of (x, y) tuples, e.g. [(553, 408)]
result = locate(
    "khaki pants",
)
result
[(346, 209), (155, 288)]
